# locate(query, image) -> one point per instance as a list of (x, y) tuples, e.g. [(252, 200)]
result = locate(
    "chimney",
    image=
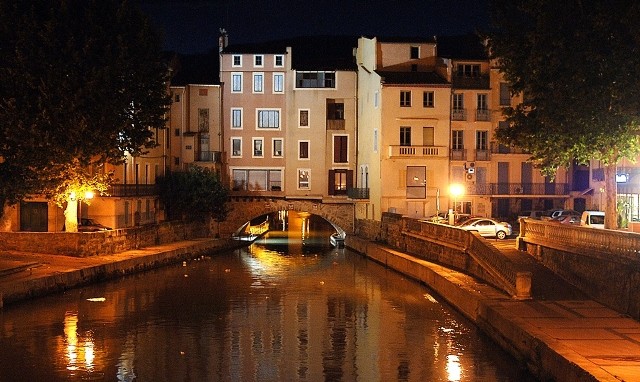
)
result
[(223, 40)]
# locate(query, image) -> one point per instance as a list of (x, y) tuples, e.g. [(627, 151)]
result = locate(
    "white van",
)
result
[(594, 219)]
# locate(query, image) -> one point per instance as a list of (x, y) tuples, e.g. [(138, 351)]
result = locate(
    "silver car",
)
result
[(488, 227)]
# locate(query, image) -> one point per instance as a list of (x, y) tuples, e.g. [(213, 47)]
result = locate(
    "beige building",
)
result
[(289, 118), (403, 153)]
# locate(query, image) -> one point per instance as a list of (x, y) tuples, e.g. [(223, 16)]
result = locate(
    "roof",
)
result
[(407, 40), (462, 47), (412, 78), (308, 52)]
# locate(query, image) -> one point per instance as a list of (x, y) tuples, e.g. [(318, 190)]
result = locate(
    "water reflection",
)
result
[(278, 310)]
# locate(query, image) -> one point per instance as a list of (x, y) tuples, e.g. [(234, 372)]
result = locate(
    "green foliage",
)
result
[(576, 63), (196, 194), (82, 82)]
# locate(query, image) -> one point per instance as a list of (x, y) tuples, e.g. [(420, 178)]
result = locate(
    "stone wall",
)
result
[(82, 244), (369, 229)]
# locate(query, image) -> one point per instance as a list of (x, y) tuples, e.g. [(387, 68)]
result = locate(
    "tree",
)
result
[(196, 194), (576, 64), (82, 82)]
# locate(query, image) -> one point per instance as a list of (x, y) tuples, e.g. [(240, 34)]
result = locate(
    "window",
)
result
[(278, 146), (258, 60), (278, 83), (177, 98), (335, 110), (258, 148), (405, 136), (268, 119), (316, 79), (468, 70), (457, 142), (415, 52), (339, 181), (203, 119), (239, 180), (427, 99), (505, 94), (340, 148), (176, 132), (236, 60), (304, 179), (458, 101), (482, 102), (236, 147), (258, 82), (303, 118), (303, 149), (278, 61), (375, 140), (275, 180), (203, 92), (376, 99), (405, 98), (236, 118), (428, 136), (236, 82), (482, 140), (256, 180), (416, 182)]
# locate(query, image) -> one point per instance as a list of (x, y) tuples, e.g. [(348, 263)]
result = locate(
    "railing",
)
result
[(459, 114), (528, 189), (358, 193), (210, 156), (583, 240), (503, 271), (482, 155), (458, 154), (417, 151), (497, 148), (335, 124), (132, 190), (483, 115)]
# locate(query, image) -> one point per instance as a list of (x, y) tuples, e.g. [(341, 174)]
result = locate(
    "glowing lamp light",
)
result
[(456, 190), (88, 195)]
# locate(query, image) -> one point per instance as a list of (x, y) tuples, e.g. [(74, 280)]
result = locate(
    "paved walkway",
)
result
[(594, 338)]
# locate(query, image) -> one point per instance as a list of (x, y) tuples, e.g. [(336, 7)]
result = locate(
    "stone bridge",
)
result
[(339, 212)]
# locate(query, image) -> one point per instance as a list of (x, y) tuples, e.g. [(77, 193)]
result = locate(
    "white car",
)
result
[(488, 227)]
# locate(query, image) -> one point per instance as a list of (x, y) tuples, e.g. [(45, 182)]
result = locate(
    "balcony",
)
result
[(210, 156), (483, 115), (482, 155), (125, 190), (417, 151), (458, 154), (497, 148), (459, 114), (557, 189), (335, 124), (358, 193)]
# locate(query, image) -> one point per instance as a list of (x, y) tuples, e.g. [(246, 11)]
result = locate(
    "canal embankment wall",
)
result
[(493, 311)]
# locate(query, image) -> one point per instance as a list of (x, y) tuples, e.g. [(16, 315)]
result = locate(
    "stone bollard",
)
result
[(523, 286)]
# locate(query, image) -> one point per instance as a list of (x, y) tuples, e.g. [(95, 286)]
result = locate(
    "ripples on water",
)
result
[(280, 310)]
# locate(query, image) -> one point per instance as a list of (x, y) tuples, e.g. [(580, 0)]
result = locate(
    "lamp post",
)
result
[(455, 190), (88, 195)]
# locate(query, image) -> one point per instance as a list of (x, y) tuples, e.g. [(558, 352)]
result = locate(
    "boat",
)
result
[(337, 240)]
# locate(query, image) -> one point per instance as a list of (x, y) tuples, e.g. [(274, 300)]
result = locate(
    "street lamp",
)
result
[(455, 190)]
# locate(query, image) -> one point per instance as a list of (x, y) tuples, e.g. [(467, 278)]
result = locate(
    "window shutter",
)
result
[(349, 179), (331, 182)]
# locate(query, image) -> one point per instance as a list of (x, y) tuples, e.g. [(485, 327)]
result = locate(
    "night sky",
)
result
[(192, 26)]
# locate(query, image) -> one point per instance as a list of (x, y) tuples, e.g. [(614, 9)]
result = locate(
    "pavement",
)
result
[(592, 337)]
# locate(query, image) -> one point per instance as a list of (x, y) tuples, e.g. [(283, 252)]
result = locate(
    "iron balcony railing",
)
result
[(458, 114), (483, 115), (210, 156), (515, 189), (358, 193), (132, 190), (475, 82), (458, 154)]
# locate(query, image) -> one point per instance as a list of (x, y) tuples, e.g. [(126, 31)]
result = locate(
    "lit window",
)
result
[(236, 147), (278, 145), (304, 177), (258, 148)]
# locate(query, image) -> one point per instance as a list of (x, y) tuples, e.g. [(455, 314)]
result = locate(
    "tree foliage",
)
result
[(196, 194), (82, 82), (577, 65)]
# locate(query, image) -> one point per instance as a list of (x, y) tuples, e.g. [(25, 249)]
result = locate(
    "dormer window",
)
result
[(415, 52), (468, 70)]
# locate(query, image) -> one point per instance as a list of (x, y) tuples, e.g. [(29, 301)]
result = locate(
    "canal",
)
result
[(287, 308)]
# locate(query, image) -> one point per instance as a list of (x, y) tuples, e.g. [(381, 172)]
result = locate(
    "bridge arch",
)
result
[(340, 214)]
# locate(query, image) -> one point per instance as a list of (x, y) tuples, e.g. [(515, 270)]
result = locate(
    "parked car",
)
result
[(488, 227), (567, 219), (594, 219), (555, 214), (531, 214), (90, 225)]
